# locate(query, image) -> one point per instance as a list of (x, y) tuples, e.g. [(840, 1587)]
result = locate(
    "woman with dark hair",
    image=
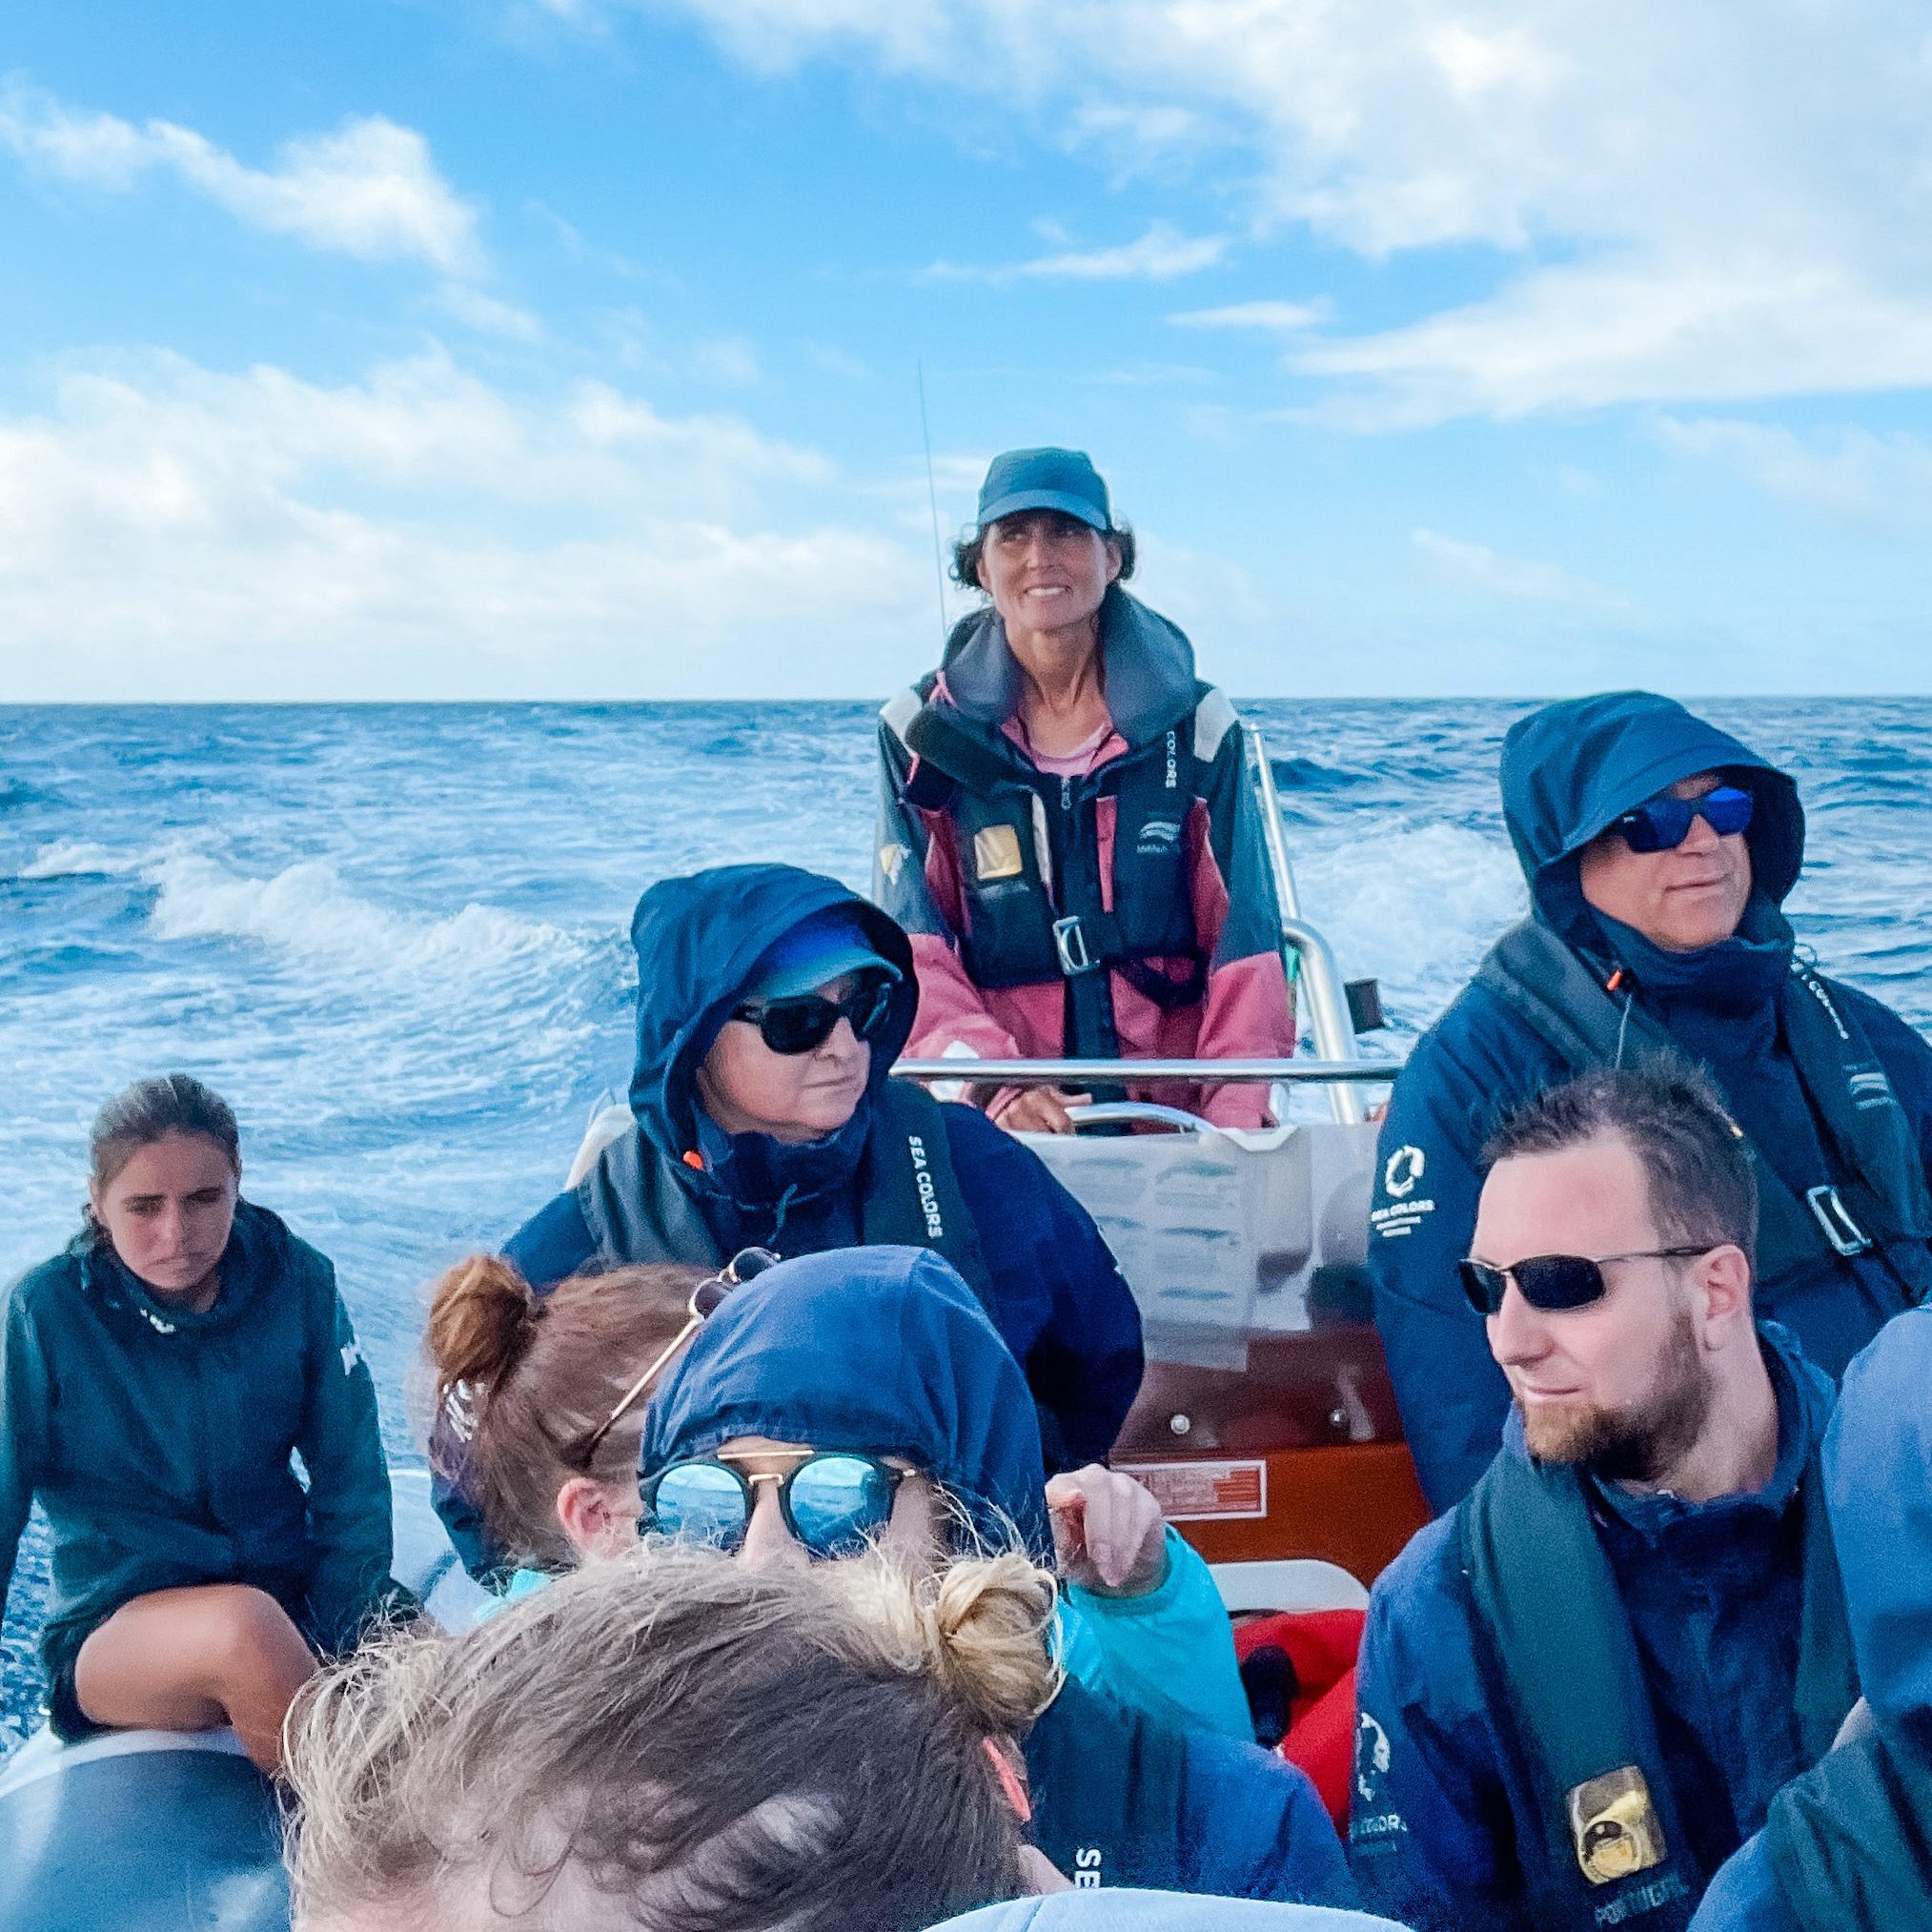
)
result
[(156, 1377), (1067, 829)]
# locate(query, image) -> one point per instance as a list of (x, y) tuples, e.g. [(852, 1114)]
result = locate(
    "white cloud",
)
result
[(168, 530), (369, 190), (486, 314), (1475, 566), (1159, 256), (1282, 316), (1848, 475), (1688, 201)]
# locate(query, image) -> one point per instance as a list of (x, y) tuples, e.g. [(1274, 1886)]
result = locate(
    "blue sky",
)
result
[(568, 348)]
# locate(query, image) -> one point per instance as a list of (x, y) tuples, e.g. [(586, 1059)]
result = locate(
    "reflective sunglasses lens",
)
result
[(791, 1026), (1554, 1282), (1661, 825), (838, 1502), (1483, 1285), (1728, 811), (701, 1502), (873, 1007)]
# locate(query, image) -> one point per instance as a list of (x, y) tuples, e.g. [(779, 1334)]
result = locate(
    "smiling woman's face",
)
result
[(169, 1213), (1045, 571)]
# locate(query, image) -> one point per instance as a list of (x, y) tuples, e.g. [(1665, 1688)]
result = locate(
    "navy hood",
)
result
[(882, 1350), (1878, 1474), (1569, 770), (698, 941), (1124, 1910), (1148, 666)]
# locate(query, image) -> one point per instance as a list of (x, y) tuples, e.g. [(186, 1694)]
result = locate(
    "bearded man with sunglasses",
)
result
[(771, 1005), (1658, 852), (1580, 1690)]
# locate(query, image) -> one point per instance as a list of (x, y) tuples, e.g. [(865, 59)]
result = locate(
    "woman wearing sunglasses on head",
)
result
[(557, 1387), (855, 1400), (1066, 824), (1658, 852), (771, 1004)]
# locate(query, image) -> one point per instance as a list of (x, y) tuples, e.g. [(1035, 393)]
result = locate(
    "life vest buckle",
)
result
[(1841, 1229), (1070, 942)]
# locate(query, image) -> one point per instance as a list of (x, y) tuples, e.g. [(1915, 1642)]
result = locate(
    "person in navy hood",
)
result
[(809, 1145), (1580, 1690), (1848, 1846), (1658, 852), (881, 1359)]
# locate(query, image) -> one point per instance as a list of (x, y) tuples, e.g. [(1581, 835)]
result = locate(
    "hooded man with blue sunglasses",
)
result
[(1658, 851)]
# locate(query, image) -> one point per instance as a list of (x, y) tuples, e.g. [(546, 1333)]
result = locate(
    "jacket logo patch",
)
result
[(890, 859), (1403, 1169), (1157, 838), (1615, 1826), (996, 853)]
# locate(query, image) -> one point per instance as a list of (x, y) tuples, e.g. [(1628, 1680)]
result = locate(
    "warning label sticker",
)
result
[(1206, 1492)]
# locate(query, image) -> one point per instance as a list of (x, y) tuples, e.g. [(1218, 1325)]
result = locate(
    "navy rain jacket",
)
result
[(1568, 771), (1877, 1478), (1713, 1592), (1061, 1304), (886, 1350)]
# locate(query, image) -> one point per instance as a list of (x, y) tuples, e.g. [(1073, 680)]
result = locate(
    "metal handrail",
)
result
[(1143, 1072), (1320, 978)]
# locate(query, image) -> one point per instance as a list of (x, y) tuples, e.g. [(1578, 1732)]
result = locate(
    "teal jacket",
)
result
[(158, 1442)]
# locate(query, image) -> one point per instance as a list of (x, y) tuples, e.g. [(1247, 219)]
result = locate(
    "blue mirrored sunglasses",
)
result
[(1661, 825), (833, 1501)]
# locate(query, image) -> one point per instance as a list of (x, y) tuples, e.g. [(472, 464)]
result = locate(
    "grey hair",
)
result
[(674, 1738)]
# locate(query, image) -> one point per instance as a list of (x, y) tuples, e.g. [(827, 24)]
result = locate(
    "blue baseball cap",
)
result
[(1045, 480), (816, 951)]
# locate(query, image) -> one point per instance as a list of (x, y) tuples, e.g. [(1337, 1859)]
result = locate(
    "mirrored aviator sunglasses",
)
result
[(834, 1502), (1662, 825), (802, 1026), (1553, 1283)]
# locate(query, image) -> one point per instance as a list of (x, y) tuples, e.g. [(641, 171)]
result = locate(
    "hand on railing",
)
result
[(1041, 1110)]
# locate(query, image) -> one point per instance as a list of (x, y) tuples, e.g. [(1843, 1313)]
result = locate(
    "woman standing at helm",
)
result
[(1066, 826)]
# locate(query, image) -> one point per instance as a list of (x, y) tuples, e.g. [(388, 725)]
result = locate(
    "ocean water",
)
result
[(396, 938)]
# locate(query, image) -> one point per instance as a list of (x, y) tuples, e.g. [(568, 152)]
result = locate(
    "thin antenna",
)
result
[(932, 498)]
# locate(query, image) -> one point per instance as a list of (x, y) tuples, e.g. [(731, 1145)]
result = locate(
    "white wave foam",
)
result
[(78, 859), (307, 912), (1417, 906)]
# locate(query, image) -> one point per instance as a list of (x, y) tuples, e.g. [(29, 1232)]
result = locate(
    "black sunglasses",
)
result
[(804, 1023), (1661, 825), (1554, 1282)]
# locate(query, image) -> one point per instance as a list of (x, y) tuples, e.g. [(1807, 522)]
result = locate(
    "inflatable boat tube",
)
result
[(157, 1831)]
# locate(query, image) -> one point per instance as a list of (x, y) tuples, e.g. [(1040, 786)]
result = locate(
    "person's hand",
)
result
[(1109, 1533), (1040, 1110)]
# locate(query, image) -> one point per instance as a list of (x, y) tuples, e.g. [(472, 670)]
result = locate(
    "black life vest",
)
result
[(1875, 1197), (1105, 1786), (1030, 866), (1564, 1681), (639, 1209)]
